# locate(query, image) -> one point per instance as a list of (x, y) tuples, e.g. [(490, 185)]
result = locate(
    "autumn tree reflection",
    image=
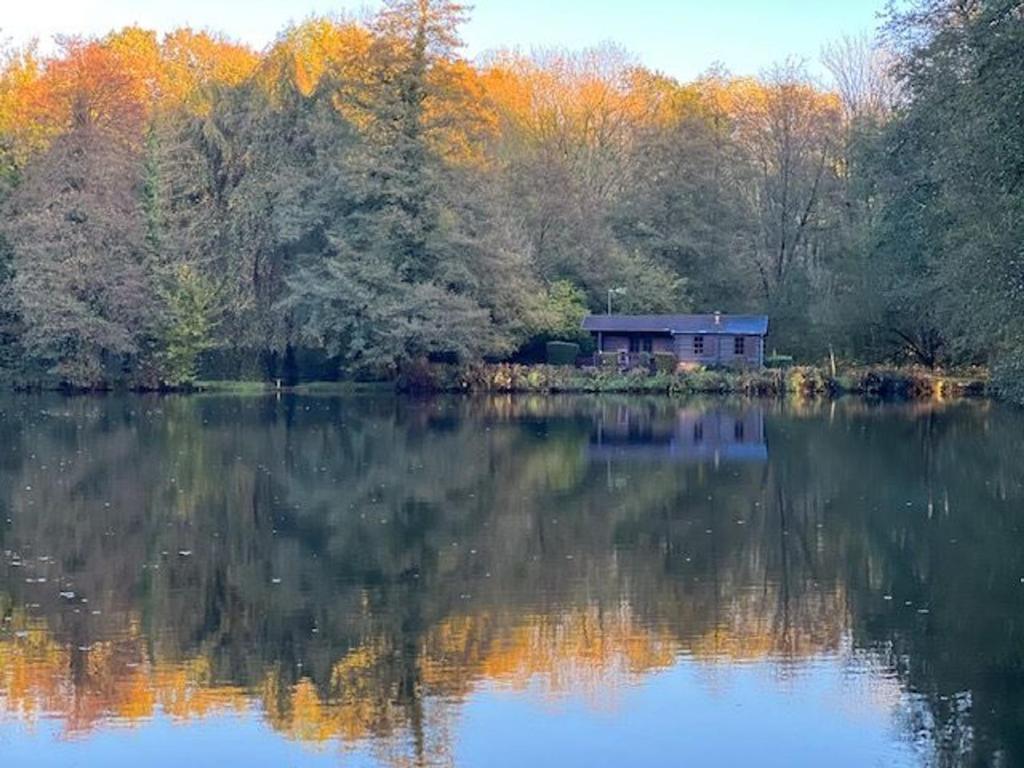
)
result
[(357, 567)]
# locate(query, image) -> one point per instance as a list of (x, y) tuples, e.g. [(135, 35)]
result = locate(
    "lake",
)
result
[(550, 581)]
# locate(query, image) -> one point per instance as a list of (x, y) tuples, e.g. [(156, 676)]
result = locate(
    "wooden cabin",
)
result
[(715, 339)]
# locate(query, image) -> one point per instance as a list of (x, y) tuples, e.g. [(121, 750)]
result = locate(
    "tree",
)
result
[(681, 209), (564, 308), (361, 309), (859, 306), (246, 191), (404, 135), (952, 224), (568, 128), (404, 273), (75, 227), (336, 192), (863, 74), (785, 130), (188, 331)]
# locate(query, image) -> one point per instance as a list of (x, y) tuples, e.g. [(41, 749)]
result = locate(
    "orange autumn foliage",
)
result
[(586, 650), (577, 104)]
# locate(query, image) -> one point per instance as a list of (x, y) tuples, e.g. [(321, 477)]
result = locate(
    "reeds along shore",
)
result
[(808, 381), (803, 380)]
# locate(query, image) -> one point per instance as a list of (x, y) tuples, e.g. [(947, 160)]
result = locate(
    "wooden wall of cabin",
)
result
[(719, 349), (617, 342)]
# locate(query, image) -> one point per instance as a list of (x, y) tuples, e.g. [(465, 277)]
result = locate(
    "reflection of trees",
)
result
[(421, 547)]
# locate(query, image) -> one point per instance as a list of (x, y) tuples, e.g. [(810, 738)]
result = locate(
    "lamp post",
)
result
[(617, 292)]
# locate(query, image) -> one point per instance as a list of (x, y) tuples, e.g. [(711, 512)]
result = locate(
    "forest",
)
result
[(360, 195)]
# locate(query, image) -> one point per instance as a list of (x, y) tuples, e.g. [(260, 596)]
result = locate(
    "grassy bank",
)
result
[(802, 380), (810, 381), (308, 388)]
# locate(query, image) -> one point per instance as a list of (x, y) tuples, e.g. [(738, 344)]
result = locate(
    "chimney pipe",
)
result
[(718, 317)]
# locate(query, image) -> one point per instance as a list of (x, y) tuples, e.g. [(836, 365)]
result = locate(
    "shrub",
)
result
[(562, 353), (799, 380), (778, 361), (804, 380), (664, 362), (642, 360)]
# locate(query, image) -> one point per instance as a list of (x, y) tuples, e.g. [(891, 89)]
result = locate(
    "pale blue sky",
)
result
[(679, 37)]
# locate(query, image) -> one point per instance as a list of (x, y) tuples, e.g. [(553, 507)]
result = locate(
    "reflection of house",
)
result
[(735, 340), (688, 435)]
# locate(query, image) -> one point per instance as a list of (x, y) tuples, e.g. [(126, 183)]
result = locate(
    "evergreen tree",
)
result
[(80, 288)]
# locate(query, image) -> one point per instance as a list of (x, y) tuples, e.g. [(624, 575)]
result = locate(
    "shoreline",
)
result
[(808, 381), (509, 378)]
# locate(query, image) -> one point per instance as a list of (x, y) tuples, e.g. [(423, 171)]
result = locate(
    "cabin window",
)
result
[(641, 344), (739, 346), (698, 345)]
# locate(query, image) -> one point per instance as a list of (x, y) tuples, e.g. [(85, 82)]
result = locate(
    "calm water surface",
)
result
[(364, 581)]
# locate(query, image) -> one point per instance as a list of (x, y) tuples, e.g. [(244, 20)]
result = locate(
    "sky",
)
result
[(681, 38)]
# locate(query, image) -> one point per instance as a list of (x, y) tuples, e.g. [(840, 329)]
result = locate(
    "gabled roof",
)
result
[(734, 325)]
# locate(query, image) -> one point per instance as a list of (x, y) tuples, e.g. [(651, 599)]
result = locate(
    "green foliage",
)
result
[(1008, 377), (362, 310), (805, 380), (562, 312), (949, 252), (778, 361), (800, 381), (665, 362), (562, 353), (547, 378), (9, 332), (79, 287), (360, 209), (191, 304)]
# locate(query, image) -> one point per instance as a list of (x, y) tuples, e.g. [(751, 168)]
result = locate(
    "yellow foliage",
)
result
[(317, 49)]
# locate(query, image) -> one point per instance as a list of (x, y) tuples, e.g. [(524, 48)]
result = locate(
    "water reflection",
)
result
[(373, 573), (692, 433)]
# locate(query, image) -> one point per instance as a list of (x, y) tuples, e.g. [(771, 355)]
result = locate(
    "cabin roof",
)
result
[(733, 325)]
